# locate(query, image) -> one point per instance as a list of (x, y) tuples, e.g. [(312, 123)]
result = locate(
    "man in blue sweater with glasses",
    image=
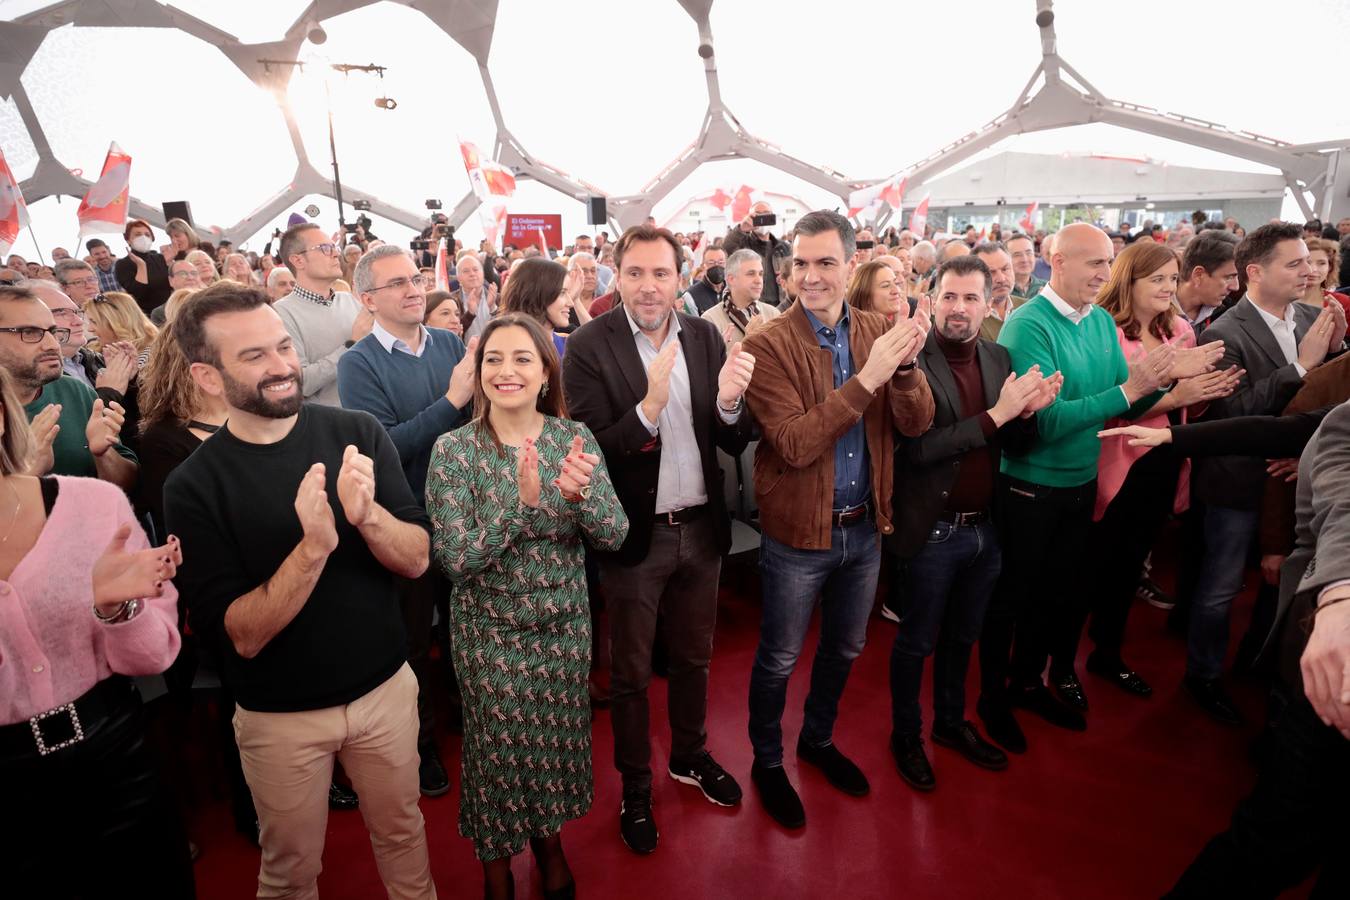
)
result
[(419, 383)]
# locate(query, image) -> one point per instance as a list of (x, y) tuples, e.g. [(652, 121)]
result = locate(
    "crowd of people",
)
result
[(308, 471)]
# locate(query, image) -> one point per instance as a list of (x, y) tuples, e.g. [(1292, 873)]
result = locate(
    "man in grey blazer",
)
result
[(1294, 820), (1276, 340)]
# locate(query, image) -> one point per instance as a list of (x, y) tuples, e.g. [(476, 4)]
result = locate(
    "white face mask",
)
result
[(762, 232), (141, 243)]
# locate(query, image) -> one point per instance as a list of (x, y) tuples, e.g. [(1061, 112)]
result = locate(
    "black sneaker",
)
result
[(341, 797), (432, 778), (704, 773), (778, 796), (1150, 593), (636, 824), (839, 769), (1213, 699), (912, 762), (964, 739)]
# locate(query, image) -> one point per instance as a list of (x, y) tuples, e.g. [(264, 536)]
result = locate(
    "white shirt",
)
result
[(391, 343), (1076, 316), (1283, 330)]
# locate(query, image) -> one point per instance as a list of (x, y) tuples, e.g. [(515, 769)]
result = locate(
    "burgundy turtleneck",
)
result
[(974, 487)]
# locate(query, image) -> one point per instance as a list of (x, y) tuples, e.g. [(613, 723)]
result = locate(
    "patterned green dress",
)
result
[(521, 630)]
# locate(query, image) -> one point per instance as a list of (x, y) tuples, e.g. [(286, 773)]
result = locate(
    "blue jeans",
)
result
[(1228, 538), (947, 588), (845, 578)]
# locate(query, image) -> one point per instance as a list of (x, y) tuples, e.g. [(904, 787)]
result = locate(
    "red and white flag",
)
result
[(13, 211), (488, 178), (869, 199), (1026, 222), (493, 220), (442, 268), (741, 203), (104, 207), (918, 220)]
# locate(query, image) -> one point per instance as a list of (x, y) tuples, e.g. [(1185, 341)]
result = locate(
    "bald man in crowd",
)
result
[(1046, 496)]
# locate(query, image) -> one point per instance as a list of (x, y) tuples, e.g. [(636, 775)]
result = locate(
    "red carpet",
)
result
[(1116, 812)]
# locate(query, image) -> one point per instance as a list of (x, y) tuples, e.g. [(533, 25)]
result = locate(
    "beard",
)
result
[(254, 399), (957, 330), (30, 373)]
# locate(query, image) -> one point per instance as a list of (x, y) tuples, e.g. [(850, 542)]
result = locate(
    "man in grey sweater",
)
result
[(322, 322)]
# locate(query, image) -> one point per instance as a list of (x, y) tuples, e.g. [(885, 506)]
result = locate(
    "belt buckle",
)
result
[(670, 517), (35, 724)]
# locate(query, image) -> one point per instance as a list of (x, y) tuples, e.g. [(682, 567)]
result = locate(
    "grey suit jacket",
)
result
[(1321, 553), (1270, 383)]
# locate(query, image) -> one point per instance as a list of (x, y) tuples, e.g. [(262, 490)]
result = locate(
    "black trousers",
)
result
[(418, 599), (1293, 821), (1119, 544), (1043, 532), (94, 820)]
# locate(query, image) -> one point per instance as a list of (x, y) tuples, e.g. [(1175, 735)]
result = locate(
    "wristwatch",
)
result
[(125, 613), (740, 401)]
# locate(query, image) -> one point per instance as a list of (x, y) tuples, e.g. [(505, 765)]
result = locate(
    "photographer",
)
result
[(756, 236)]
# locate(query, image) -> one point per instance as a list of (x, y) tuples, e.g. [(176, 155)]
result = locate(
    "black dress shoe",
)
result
[(912, 762), (1002, 726), (839, 769), (432, 778), (1037, 699), (778, 796), (636, 824), (1121, 675), (342, 797), (964, 739), (1069, 690), (1213, 699)]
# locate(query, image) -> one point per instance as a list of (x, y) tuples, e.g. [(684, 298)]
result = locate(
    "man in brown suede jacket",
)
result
[(832, 385)]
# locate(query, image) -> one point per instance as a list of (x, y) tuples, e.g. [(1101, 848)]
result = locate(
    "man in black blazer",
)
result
[(1276, 339), (944, 535), (661, 392)]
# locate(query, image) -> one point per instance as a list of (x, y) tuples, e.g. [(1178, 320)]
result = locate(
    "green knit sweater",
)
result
[(1094, 367)]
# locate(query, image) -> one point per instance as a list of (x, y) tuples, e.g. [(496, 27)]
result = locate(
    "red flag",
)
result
[(13, 211), (442, 269), (499, 179), (1026, 222), (104, 207), (740, 207), (869, 199), (720, 199), (470, 154), (918, 220)]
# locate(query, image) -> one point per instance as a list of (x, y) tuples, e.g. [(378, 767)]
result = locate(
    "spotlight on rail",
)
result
[(1045, 14), (705, 51), (386, 103), (316, 33)]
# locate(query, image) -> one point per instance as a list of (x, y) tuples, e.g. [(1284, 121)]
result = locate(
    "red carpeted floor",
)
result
[(1116, 812)]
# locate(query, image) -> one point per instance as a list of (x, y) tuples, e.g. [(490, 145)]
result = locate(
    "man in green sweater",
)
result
[(1046, 496)]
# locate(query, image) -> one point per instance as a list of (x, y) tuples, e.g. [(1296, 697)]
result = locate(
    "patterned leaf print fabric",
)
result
[(521, 630)]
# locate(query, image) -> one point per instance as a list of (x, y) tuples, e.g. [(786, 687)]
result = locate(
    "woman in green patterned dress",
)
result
[(511, 497)]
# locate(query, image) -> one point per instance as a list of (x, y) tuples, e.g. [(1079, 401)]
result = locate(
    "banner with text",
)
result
[(523, 230)]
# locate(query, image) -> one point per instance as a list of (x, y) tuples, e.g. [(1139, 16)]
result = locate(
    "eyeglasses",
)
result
[(90, 282), (77, 313), (325, 249), (184, 273), (400, 284), (31, 334)]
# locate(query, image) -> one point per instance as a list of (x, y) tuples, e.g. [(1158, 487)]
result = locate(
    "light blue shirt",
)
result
[(391, 343)]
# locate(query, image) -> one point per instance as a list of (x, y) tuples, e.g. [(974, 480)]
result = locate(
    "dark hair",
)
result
[(1313, 225), (823, 220), (863, 282), (92, 243), (1258, 247), (1018, 236), (218, 299), (532, 288), (643, 234), (1212, 225), (968, 264), (551, 404), (1209, 249), (291, 244), (1139, 260), (1330, 233), (435, 299), (989, 247)]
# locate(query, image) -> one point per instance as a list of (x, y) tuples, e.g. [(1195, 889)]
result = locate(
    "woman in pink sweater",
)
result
[(1138, 488), (84, 604)]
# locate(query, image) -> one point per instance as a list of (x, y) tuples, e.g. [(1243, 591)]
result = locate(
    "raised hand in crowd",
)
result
[(120, 574), (105, 427), (527, 474), (897, 346), (1209, 386), (1016, 393), (922, 316), (658, 381), (120, 359), (1193, 361), (464, 376), (1338, 314), (365, 321), (1149, 371), (45, 427), (356, 487), (573, 283), (142, 275), (1326, 660), (735, 375), (314, 512), (1317, 343), (577, 467)]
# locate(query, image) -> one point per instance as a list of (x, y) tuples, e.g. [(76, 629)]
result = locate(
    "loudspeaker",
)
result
[(178, 209), (596, 213)]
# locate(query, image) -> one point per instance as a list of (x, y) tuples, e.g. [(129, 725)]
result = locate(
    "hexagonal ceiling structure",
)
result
[(228, 105)]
